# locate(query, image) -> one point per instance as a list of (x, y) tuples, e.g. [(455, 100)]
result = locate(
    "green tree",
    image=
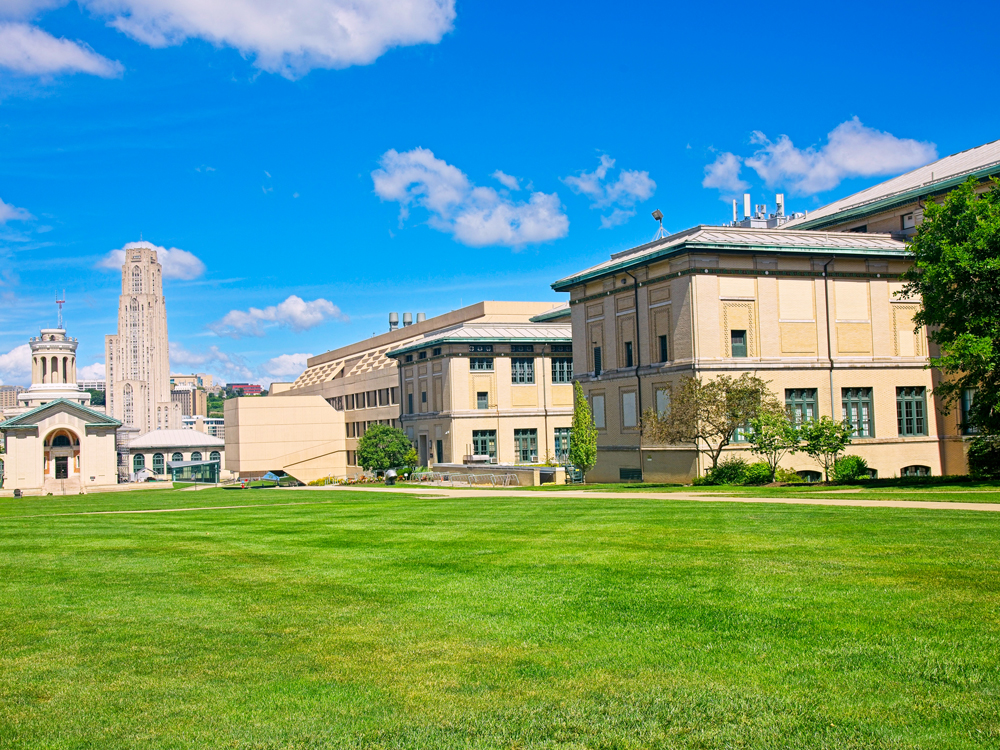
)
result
[(383, 447), (824, 440), (583, 433), (773, 434), (96, 397), (956, 278), (706, 414)]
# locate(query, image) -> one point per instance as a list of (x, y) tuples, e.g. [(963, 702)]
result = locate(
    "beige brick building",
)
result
[(814, 313), (311, 428), (497, 392)]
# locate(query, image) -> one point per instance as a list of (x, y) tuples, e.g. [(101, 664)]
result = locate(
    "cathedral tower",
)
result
[(137, 358)]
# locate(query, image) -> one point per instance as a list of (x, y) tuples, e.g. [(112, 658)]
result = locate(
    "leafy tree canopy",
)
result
[(773, 434), (583, 433), (956, 275), (824, 440), (383, 447)]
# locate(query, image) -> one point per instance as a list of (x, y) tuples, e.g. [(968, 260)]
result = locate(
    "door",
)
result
[(62, 467)]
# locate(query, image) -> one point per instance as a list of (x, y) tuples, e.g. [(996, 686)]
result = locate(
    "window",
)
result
[(856, 408), (561, 444), (138, 462), (177, 457), (564, 348), (863, 229), (484, 443), (394, 395), (481, 364), (811, 476), (215, 456), (629, 475), (196, 456), (423, 397), (597, 409), (662, 401), (801, 404), (968, 397), (440, 451), (422, 355), (664, 353), (522, 347), (562, 370), (629, 417), (482, 400), (526, 445), (522, 370), (157, 463), (910, 411), (738, 339), (907, 221), (628, 354), (480, 347), (61, 441), (597, 361), (915, 471), (409, 403), (436, 352), (741, 434), (409, 357)]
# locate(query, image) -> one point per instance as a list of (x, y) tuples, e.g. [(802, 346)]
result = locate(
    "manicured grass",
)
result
[(389, 620)]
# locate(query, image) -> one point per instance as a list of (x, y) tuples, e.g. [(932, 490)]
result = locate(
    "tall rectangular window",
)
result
[(526, 445), (481, 364), (394, 395), (628, 354), (561, 444), (597, 409), (597, 361), (522, 370), (664, 353), (968, 397), (856, 409), (440, 451), (484, 443), (911, 408), (629, 415), (738, 340), (482, 400), (662, 401), (801, 404), (562, 370), (409, 403)]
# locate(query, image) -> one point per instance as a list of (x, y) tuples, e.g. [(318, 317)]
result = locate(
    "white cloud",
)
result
[(723, 174), (475, 216), (177, 263), (852, 150), (12, 213), (229, 367), (294, 313), (95, 371), (288, 366), (631, 187), (290, 37), (30, 50), (15, 365), (508, 181)]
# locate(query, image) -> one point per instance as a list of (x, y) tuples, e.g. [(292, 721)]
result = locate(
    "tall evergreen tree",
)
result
[(583, 434)]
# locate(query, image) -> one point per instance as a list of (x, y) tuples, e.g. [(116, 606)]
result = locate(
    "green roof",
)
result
[(29, 418)]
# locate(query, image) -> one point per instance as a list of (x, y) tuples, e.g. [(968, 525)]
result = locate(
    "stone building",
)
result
[(137, 357), (817, 314)]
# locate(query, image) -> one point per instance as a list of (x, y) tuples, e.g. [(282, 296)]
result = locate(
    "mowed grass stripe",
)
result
[(380, 620)]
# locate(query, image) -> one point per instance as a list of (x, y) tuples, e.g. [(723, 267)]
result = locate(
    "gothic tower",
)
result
[(137, 358)]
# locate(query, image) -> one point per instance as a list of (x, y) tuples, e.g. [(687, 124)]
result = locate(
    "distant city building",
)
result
[(215, 426), (198, 380), (193, 401), (8, 396), (246, 389), (93, 385), (138, 370)]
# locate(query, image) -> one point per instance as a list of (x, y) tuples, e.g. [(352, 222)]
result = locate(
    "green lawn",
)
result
[(358, 620)]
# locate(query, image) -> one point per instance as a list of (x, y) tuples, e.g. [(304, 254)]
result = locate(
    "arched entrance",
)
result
[(61, 449)]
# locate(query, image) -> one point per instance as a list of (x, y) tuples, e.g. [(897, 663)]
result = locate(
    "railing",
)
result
[(470, 480)]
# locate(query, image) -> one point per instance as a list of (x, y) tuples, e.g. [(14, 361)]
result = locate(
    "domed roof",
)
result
[(177, 439)]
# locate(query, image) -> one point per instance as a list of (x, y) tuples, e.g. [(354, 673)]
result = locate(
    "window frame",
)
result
[(798, 401), (522, 370), (490, 438), (744, 346), (907, 396), (562, 370), (854, 404), (482, 403), (526, 444), (481, 364)]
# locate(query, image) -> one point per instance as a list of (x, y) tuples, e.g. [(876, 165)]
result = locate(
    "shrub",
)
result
[(757, 473), (984, 457), (728, 471), (787, 476), (849, 469)]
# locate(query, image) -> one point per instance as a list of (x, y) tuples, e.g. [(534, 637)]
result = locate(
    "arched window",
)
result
[(157, 463), (55, 369), (811, 476), (177, 457), (196, 456), (215, 456), (138, 462), (45, 369), (915, 471), (136, 280), (61, 441)]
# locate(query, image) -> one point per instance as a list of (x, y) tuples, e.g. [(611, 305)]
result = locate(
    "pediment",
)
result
[(32, 418)]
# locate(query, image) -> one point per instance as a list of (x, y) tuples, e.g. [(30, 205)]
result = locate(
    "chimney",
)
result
[(780, 198), (746, 205), (393, 321), (407, 319)]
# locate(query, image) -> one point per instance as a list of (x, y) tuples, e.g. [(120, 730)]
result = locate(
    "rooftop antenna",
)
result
[(660, 232), (60, 302)]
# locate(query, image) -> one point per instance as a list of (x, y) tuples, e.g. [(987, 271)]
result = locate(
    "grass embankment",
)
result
[(389, 620)]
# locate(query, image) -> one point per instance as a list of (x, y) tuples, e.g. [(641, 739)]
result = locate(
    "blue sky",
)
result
[(439, 154)]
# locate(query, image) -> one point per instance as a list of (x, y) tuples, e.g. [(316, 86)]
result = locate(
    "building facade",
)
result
[(193, 401), (155, 453), (816, 314), (489, 392), (137, 357), (8, 396)]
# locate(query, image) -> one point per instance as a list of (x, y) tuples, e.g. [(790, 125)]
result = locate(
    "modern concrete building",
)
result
[(193, 400), (138, 370), (8, 396), (817, 314), (495, 392), (214, 426), (310, 429)]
